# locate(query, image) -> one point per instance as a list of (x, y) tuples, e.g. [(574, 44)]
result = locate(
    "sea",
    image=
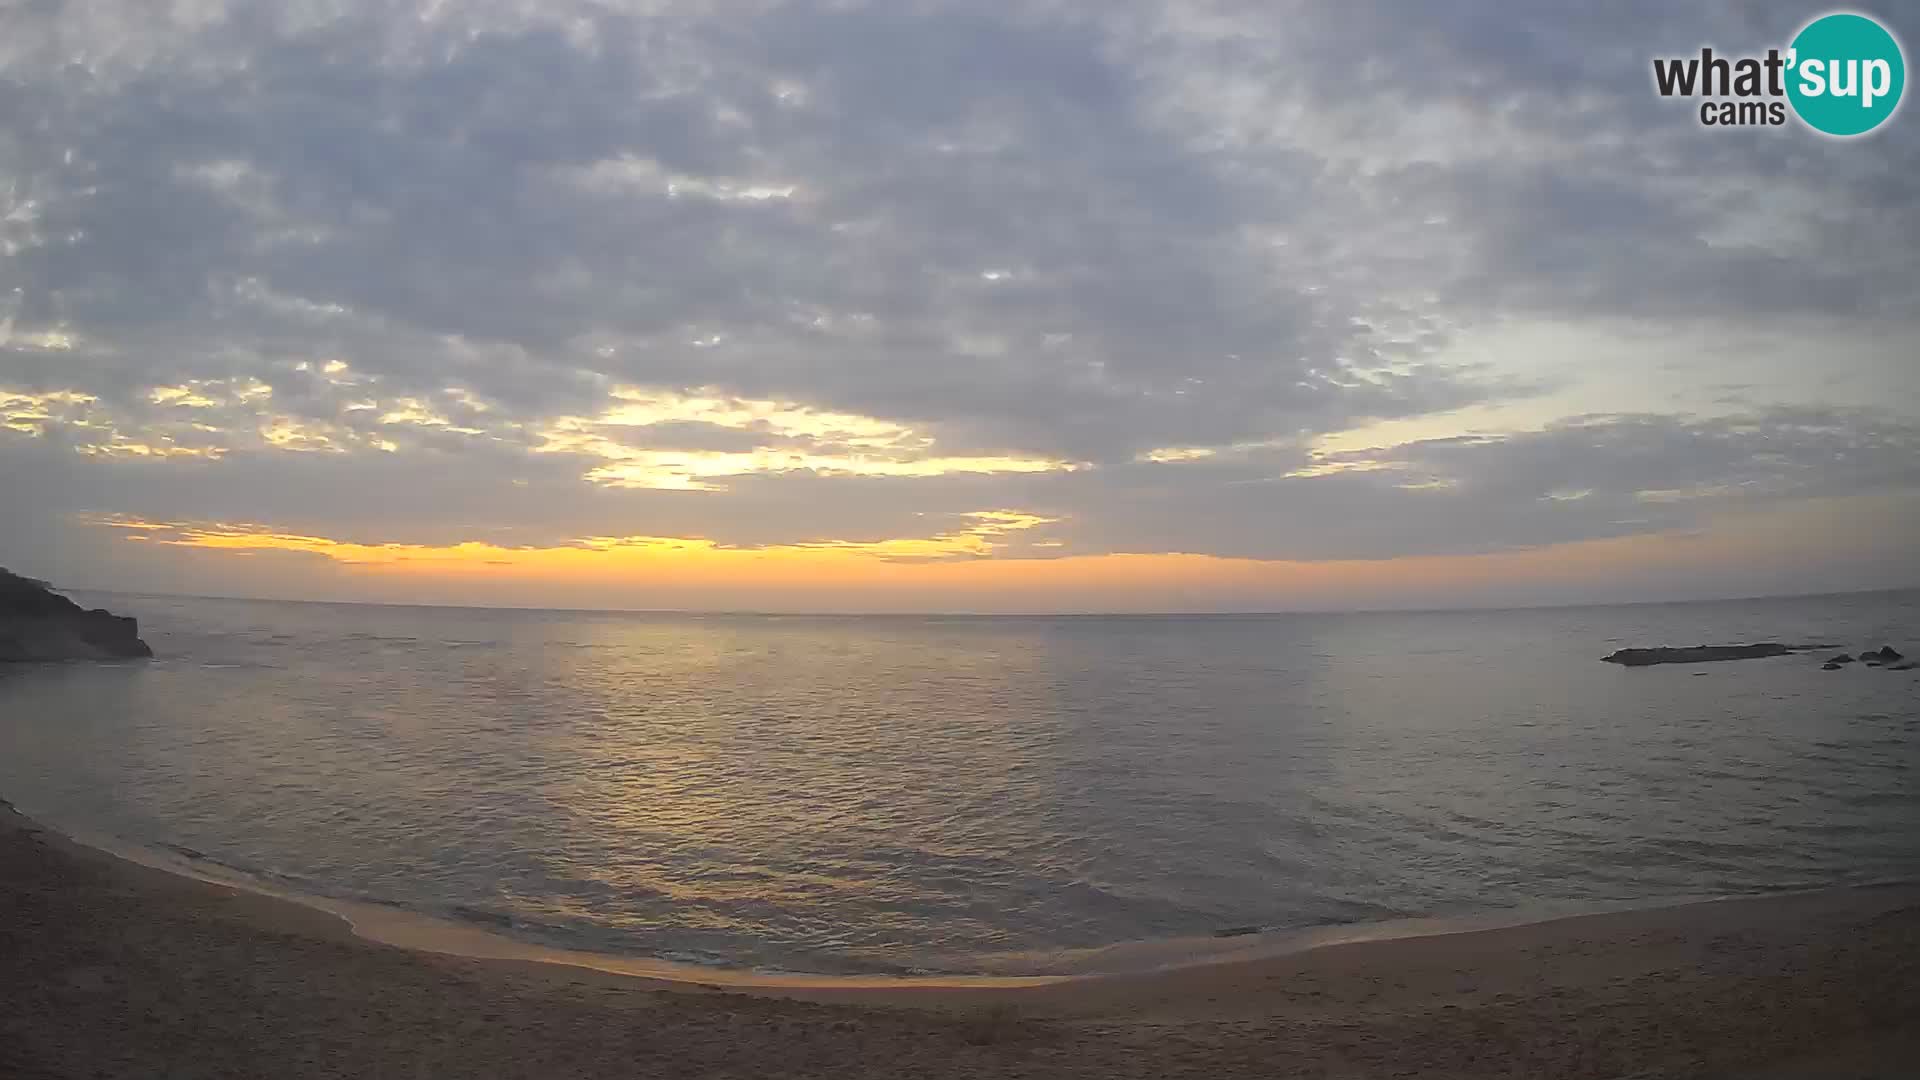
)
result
[(951, 794)]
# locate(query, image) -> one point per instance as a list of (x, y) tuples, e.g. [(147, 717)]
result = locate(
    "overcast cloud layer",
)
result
[(1254, 280)]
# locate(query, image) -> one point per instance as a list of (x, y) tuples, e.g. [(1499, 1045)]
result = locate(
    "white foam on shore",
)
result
[(408, 929)]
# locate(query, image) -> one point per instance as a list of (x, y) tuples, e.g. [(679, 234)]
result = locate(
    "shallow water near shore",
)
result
[(409, 928), (956, 794)]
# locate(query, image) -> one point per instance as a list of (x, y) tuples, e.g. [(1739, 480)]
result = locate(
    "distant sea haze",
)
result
[(908, 793)]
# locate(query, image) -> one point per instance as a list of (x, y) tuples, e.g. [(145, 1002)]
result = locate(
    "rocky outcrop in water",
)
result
[(37, 623), (1886, 657), (1697, 654)]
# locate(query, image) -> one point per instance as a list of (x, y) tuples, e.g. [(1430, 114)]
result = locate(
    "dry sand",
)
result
[(113, 969)]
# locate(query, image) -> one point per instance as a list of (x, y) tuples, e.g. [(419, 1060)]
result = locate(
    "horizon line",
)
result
[(1463, 609)]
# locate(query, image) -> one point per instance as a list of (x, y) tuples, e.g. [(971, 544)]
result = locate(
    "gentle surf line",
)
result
[(422, 932)]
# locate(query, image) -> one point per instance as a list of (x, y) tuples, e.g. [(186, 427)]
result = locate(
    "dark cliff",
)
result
[(37, 623)]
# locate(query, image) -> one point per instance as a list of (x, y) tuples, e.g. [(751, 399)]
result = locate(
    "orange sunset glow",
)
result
[(968, 565)]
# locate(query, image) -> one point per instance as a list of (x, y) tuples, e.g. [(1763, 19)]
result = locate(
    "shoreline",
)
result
[(117, 968), (407, 928), (410, 928)]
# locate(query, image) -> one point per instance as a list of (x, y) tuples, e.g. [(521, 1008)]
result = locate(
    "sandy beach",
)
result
[(109, 968)]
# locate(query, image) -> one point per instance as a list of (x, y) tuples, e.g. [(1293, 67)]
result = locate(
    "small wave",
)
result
[(694, 959), (482, 916)]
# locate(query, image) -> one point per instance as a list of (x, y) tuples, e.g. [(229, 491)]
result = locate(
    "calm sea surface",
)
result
[(918, 793)]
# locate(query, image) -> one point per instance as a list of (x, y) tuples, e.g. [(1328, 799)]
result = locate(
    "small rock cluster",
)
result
[(1885, 656)]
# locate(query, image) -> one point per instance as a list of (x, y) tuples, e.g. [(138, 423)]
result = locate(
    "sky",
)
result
[(1024, 306)]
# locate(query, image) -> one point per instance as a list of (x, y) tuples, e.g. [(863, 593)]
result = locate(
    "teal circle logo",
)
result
[(1845, 75)]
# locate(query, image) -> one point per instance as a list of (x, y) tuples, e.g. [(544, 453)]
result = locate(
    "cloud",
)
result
[(976, 534), (1584, 478), (805, 273)]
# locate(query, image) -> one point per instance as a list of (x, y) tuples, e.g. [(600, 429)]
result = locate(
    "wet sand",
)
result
[(111, 968)]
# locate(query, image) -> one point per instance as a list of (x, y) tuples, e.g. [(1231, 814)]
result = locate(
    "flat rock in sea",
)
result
[(37, 623), (1696, 654)]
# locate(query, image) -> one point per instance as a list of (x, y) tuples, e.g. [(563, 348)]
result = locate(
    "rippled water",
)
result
[(890, 793)]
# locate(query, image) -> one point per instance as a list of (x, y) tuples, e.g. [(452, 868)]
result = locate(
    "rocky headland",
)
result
[(37, 623)]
